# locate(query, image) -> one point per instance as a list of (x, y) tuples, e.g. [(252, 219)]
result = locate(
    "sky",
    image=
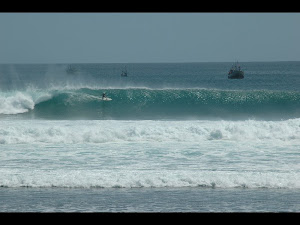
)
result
[(148, 37)]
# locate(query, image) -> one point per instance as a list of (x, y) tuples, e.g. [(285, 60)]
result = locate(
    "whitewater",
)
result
[(114, 131), (175, 137), (129, 154)]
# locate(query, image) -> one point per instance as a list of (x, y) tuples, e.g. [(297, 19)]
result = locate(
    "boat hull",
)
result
[(236, 75)]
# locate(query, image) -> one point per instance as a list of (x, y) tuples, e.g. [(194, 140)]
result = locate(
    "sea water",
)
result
[(176, 137)]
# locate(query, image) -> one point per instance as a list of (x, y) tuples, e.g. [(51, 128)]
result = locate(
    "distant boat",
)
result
[(71, 70), (235, 72), (124, 73)]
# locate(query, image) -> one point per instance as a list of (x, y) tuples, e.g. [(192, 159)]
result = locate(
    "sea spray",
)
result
[(16, 103)]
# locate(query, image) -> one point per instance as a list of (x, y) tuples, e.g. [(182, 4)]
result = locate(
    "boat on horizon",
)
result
[(235, 72), (124, 73), (71, 70)]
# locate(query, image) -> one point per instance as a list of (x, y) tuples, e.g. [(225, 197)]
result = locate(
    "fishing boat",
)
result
[(235, 72), (71, 70), (124, 73)]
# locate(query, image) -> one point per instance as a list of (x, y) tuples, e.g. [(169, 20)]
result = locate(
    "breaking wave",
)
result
[(83, 131), (140, 179), (143, 103)]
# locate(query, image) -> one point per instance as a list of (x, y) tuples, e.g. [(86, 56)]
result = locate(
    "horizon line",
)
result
[(266, 61)]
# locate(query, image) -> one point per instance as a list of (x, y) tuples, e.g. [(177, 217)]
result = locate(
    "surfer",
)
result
[(103, 95)]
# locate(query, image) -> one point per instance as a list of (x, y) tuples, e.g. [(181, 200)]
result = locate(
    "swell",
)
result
[(146, 103)]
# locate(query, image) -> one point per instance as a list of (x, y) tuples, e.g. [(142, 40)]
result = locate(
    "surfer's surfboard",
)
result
[(106, 99)]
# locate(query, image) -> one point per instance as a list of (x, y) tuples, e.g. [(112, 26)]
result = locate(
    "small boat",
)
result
[(124, 73), (235, 72), (71, 70)]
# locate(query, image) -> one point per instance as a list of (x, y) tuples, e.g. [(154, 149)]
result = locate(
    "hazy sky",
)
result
[(148, 37)]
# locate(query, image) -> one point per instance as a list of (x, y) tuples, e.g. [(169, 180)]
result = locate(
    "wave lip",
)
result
[(17, 103)]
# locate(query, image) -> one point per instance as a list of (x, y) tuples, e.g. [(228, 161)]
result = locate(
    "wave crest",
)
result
[(86, 103)]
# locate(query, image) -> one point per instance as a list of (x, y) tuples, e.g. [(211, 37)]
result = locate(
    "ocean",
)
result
[(176, 137)]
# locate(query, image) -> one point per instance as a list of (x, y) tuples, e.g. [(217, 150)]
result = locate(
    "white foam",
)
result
[(21, 102), (110, 154), (17, 103), (26, 131), (153, 178)]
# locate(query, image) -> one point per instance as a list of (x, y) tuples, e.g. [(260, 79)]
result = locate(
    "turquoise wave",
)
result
[(145, 103)]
